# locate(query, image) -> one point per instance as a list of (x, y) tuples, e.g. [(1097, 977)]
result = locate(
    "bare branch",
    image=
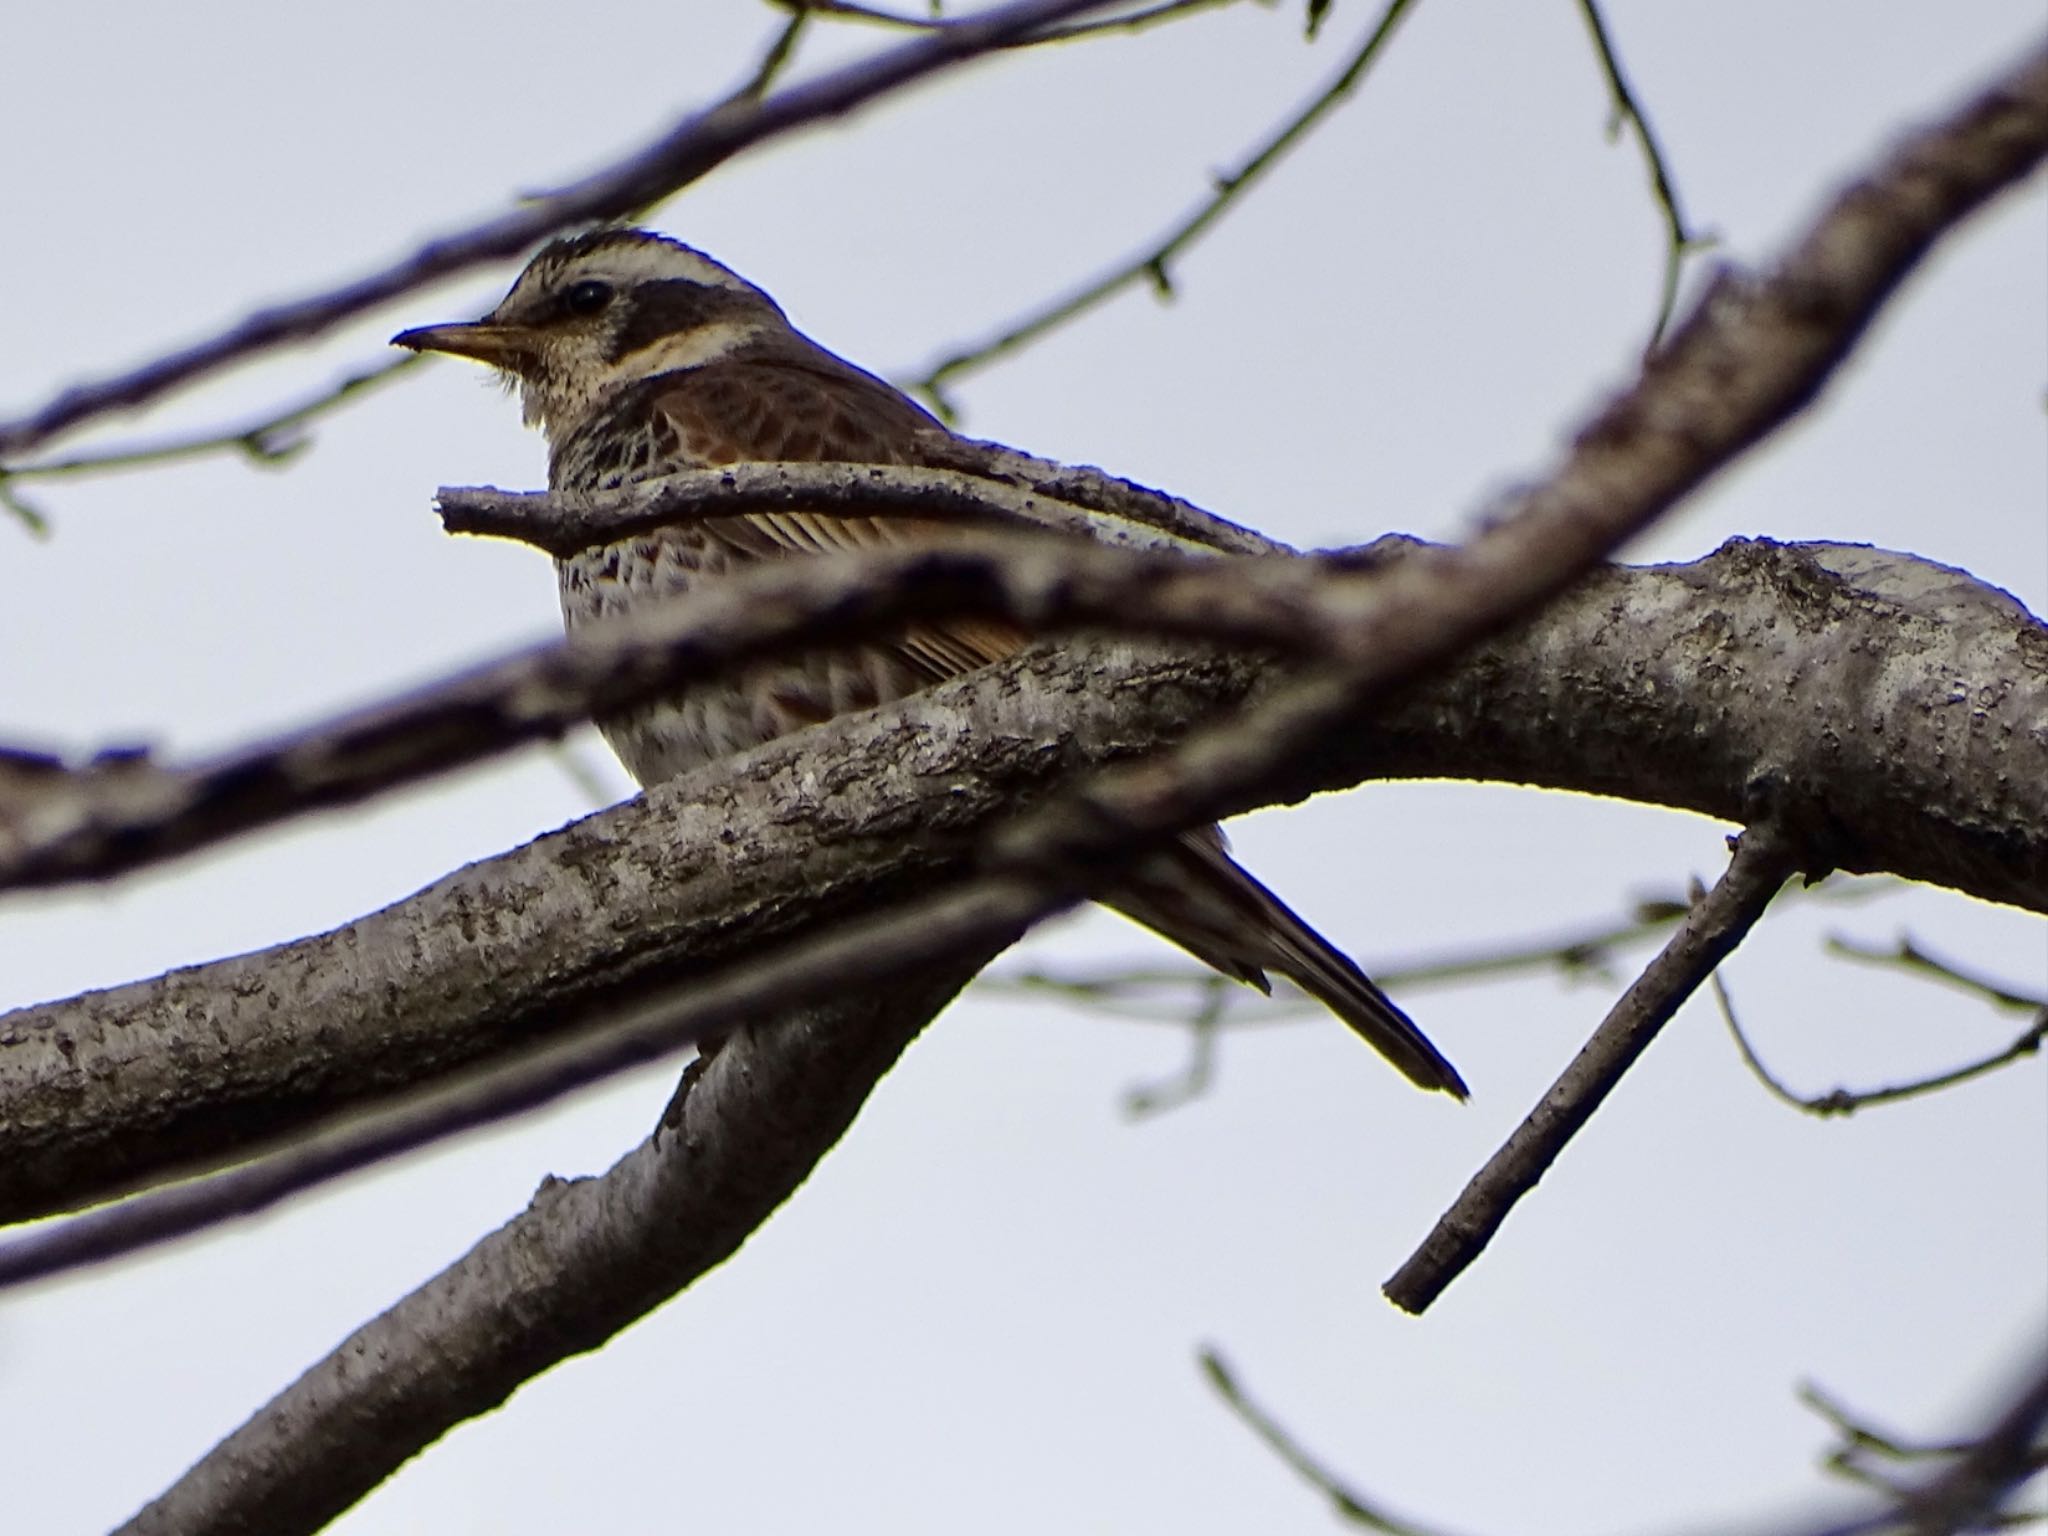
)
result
[(1845, 1102), (1194, 1079), (1862, 1444), (780, 53), (1095, 505), (1176, 994), (1762, 863), (1755, 354), (587, 1257), (1152, 265), (87, 1106), (980, 918), (1774, 643), (1679, 242), (693, 148), (1909, 955), (873, 15), (1951, 796), (1349, 1505), (275, 439), (1970, 1493), (1987, 1470)]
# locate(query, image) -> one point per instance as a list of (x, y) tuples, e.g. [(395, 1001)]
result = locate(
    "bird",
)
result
[(637, 356)]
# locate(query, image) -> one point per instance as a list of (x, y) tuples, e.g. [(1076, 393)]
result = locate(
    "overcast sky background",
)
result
[(982, 1312)]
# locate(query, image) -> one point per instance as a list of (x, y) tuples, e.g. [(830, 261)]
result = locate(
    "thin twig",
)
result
[(1679, 242), (873, 15), (777, 58), (1347, 1502), (694, 147), (1985, 1470), (1859, 1439), (1970, 1495), (27, 513), (1193, 1079), (1205, 1002), (1908, 954), (1153, 264), (1764, 860), (1844, 1101), (1175, 995), (274, 440)]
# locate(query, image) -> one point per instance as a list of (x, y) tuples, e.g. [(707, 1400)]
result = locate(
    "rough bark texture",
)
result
[(743, 1137), (1892, 712)]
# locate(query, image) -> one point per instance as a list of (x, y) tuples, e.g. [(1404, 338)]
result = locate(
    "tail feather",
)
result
[(1200, 898)]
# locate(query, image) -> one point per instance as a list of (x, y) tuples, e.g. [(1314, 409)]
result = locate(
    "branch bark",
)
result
[(691, 150), (1897, 709), (1718, 922), (1751, 357), (743, 1137)]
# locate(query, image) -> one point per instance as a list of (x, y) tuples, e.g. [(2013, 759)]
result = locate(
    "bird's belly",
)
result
[(710, 720)]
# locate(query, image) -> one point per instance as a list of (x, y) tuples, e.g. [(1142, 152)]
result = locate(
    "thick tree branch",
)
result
[(1764, 860), (1836, 714), (693, 148), (1840, 685), (745, 1134), (1752, 356), (926, 934)]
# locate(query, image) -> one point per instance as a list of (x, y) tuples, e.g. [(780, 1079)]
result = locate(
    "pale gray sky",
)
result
[(981, 1313)]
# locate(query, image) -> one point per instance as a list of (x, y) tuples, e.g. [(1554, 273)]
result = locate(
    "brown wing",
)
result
[(817, 408), (808, 405)]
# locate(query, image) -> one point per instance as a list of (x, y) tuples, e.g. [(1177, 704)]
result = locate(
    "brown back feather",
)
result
[(811, 407)]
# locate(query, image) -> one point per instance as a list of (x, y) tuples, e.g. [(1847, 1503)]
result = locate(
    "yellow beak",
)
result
[(502, 346)]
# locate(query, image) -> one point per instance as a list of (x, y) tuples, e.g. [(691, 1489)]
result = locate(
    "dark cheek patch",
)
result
[(655, 310)]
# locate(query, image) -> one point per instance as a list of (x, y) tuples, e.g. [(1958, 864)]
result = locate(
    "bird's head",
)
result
[(595, 312)]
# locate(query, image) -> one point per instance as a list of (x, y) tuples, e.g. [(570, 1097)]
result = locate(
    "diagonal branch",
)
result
[(982, 917), (1457, 595), (689, 151), (1788, 647), (587, 1258), (1751, 357), (1764, 860), (1153, 264)]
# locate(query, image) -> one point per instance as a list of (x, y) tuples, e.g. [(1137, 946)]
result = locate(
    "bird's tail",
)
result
[(1199, 897)]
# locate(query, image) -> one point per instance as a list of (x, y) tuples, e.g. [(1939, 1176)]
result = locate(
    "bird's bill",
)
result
[(498, 345)]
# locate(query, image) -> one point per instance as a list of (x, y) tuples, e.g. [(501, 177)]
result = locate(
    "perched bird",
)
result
[(638, 356)]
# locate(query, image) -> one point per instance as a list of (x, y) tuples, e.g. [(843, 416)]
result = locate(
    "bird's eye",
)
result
[(587, 297)]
